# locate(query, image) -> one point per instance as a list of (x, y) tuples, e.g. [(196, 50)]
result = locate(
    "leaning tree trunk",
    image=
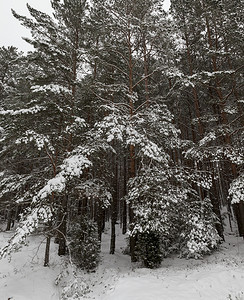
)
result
[(62, 228)]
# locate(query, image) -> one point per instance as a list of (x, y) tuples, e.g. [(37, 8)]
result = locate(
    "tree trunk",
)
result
[(239, 212), (100, 218), (47, 251), (10, 219), (124, 212), (62, 227), (114, 209), (113, 231)]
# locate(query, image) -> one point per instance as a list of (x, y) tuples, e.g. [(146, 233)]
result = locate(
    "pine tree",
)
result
[(65, 145), (51, 102), (206, 61)]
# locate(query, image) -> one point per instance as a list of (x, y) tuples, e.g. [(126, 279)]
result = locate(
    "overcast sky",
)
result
[(10, 29)]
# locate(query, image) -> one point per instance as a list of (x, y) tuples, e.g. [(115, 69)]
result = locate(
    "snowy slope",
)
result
[(213, 278), (24, 277)]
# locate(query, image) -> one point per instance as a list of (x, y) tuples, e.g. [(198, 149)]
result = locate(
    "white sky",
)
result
[(10, 29)]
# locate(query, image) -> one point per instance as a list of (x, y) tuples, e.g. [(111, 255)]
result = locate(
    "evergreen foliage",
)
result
[(148, 249), (84, 244)]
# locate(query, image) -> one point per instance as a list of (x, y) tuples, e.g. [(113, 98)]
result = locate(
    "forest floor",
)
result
[(219, 276)]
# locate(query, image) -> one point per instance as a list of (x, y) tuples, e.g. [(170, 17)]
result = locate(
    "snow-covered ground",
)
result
[(216, 277)]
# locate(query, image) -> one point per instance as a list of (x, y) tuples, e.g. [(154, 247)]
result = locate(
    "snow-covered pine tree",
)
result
[(122, 53), (136, 117), (210, 59), (15, 166), (67, 187), (50, 115)]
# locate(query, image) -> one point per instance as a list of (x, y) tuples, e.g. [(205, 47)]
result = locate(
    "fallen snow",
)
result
[(24, 277), (213, 278)]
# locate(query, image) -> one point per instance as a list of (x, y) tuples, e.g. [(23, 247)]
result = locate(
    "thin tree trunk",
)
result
[(216, 209), (9, 219), (113, 230), (114, 206), (100, 220), (145, 67), (63, 227), (124, 216), (132, 167), (47, 251)]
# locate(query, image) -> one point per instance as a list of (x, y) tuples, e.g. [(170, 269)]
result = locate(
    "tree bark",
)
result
[(114, 208), (63, 227), (47, 251)]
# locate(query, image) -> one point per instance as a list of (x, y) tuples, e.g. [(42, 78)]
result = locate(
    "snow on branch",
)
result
[(96, 189), (192, 80), (113, 126), (236, 190), (202, 238), (71, 167), (74, 165), (211, 136), (56, 184), (234, 154), (12, 183), (53, 88), (33, 110), (122, 128), (215, 153), (77, 123), (40, 140), (26, 227), (147, 148)]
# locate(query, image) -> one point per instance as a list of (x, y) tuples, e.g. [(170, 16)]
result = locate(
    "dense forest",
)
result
[(126, 114)]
